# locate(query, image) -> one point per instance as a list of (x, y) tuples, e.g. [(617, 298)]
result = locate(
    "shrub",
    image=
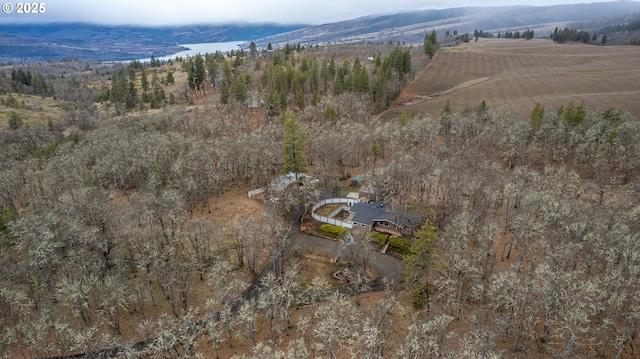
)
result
[(400, 244), (379, 238), (332, 231), (419, 298), (15, 121), (6, 216)]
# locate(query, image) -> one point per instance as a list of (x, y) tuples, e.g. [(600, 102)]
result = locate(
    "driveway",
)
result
[(386, 266)]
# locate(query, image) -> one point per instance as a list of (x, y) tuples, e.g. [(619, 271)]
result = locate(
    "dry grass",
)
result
[(512, 75), (36, 110)]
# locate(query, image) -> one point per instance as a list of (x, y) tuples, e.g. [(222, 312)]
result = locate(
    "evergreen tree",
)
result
[(225, 84), (536, 116), (190, 67), (483, 111), (325, 76), (131, 97), (170, 79), (200, 73), (253, 50), (212, 69), (239, 89), (119, 86), (446, 109), (144, 81), (430, 44), (423, 258), (341, 83), (293, 148), (359, 79), (314, 76)]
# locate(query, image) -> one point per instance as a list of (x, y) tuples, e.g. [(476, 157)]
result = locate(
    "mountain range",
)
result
[(411, 27), (36, 42)]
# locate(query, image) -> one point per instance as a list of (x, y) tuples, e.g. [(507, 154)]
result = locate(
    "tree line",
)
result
[(28, 83)]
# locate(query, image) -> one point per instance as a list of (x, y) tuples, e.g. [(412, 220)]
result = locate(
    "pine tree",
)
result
[(430, 44), (225, 84), (293, 148), (446, 109), (424, 257), (239, 89), (144, 81), (536, 116), (170, 79), (200, 74)]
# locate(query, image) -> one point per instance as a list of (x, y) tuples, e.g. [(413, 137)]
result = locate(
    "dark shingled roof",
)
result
[(368, 213)]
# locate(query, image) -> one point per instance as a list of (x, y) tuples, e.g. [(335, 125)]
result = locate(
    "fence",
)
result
[(255, 192), (347, 201)]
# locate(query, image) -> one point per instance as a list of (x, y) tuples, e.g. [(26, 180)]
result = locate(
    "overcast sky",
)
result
[(181, 12)]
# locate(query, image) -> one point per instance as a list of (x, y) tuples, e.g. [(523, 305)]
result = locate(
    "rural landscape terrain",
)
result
[(131, 225), (511, 75)]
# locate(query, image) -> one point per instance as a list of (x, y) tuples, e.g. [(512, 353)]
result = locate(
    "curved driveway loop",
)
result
[(385, 265)]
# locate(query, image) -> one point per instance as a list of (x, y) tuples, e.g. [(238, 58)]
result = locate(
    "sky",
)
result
[(184, 12)]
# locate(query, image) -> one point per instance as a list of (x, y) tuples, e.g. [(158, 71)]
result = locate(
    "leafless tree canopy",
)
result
[(102, 226)]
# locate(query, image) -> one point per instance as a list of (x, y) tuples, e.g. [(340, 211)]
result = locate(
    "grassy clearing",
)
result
[(32, 109)]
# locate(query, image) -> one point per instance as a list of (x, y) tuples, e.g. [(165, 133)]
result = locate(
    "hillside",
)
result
[(56, 41), (411, 27), (512, 75), (107, 43), (126, 230)]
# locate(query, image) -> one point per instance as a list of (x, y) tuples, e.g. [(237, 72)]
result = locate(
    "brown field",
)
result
[(512, 75)]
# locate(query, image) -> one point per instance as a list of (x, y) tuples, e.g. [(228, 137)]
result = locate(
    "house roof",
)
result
[(368, 213), (285, 180)]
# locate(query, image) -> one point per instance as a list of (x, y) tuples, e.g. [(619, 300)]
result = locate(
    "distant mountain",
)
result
[(107, 43), (410, 27)]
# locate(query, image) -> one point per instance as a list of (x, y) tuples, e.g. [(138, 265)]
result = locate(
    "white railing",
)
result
[(336, 222)]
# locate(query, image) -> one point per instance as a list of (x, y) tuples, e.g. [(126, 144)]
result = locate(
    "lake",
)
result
[(202, 48)]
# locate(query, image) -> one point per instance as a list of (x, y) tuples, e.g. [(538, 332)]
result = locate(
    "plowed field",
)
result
[(512, 75)]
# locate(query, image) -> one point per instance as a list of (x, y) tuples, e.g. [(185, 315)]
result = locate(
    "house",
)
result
[(378, 216)]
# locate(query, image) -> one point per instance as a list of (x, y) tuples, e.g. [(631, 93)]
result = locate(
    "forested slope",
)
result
[(105, 241)]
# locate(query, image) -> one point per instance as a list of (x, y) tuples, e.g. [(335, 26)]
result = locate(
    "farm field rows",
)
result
[(512, 75)]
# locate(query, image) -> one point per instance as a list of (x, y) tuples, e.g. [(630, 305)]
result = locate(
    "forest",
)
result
[(108, 247)]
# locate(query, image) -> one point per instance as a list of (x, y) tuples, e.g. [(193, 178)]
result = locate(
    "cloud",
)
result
[(182, 12)]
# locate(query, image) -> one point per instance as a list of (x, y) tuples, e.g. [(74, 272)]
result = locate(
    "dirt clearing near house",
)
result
[(512, 75)]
